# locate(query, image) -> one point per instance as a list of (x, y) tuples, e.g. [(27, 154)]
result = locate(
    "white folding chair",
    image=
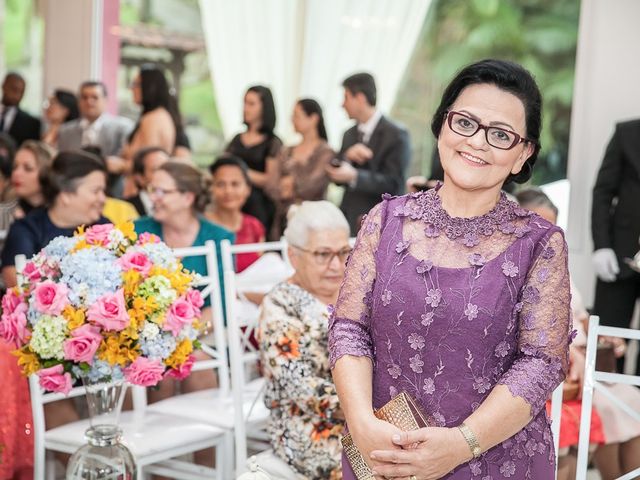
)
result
[(152, 438), (592, 379), (251, 419)]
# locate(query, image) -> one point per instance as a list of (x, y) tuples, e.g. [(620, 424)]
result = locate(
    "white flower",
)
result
[(149, 331), (48, 337), (416, 341)]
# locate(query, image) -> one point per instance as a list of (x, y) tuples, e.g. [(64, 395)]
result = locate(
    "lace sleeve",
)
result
[(544, 324), (349, 323)]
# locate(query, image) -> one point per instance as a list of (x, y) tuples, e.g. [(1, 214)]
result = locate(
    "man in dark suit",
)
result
[(14, 121), (615, 226), (375, 152)]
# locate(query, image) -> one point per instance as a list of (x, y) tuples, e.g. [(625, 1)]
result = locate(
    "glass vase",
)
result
[(103, 457)]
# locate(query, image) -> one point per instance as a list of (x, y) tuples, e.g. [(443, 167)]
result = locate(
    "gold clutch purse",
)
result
[(401, 411)]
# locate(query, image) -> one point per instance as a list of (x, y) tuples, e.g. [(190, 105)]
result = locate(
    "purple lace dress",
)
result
[(447, 308)]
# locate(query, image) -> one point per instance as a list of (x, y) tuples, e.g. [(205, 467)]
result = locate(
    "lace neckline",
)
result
[(427, 207)]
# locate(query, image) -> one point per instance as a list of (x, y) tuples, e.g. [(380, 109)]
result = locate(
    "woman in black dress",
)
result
[(259, 147)]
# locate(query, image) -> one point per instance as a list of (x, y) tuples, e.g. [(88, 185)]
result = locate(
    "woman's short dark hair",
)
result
[(511, 78), (69, 101), (362, 83), (534, 197), (268, 108), (230, 161), (157, 93), (189, 179), (66, 171), (309, 107)]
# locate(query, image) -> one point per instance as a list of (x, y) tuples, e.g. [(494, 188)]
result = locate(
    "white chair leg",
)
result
[(50, 466)]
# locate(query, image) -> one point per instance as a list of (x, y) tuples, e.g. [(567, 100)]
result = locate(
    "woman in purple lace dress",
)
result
[(460, 298)]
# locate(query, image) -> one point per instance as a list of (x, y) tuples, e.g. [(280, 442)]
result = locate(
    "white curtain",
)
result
[(305, 48)]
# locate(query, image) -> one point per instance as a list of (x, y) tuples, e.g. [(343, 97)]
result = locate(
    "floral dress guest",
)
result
[(460, 298), (306, 423)]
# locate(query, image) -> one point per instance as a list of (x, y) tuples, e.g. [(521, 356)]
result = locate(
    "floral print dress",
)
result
[(447, 308), (300, 393)]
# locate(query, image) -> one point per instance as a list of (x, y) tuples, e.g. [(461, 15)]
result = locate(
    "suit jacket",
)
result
[(24, 127), (137, 203), (615, 212), (384, 173), (112, 137)]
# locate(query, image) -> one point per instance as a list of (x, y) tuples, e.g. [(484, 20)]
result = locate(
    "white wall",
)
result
[(607, 90), (70, 43)]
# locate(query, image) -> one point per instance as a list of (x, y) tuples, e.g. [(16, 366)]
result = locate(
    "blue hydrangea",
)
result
[(90, 273), (158, 347), (60, 247), (100, 370)]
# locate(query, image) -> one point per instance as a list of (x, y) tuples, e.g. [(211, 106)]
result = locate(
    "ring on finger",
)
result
[(413, 477)]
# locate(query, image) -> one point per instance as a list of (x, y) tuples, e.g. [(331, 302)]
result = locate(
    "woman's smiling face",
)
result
[(470, 162)]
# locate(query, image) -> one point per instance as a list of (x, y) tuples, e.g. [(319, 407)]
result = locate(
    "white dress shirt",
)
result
[(9, 116), (367, 128), (90, 131)]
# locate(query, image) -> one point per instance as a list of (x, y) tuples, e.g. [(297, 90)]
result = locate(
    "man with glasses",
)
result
[(375, 152)]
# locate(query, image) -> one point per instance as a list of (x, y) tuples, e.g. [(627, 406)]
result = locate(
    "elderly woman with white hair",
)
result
[(306, 422)]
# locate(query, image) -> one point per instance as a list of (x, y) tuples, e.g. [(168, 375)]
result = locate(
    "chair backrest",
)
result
[(556, 412), (212, 290), (241, 351), (592, 380)]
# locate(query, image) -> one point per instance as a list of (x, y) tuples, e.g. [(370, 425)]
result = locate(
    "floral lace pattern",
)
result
[(421, 284), (300, 393)]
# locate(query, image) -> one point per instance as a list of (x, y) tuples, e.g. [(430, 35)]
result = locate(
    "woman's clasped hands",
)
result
[(425, 454)]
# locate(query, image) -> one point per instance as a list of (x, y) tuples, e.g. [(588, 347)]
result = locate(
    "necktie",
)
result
[(360, 136)]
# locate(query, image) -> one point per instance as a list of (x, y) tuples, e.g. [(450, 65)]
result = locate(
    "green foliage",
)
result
[(539, 34), (197, 100), (16, 31)]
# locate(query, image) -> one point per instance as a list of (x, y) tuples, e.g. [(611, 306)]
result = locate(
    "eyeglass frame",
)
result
[(334, 254), (153, 191), (518, 140)]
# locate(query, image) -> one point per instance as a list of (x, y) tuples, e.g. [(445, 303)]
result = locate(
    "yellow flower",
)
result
[(75, 317), (180, 354), (131, 280), (180, 281), (127, 230), (79, 231), (27, 360), (82, 244), (117, 349)]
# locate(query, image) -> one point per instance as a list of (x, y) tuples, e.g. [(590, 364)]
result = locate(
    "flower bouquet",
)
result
[(104, 305)]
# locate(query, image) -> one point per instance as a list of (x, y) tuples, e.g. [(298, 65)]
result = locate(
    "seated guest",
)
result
[(13, 120), (301, 173), (115, 210), (229, 191), (306, 422), (180, 193), (619, 450), (73, 192), (145, 162), (61, 107)]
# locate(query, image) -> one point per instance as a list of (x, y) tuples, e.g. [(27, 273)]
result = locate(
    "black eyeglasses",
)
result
[(496, 137), (325, 257)]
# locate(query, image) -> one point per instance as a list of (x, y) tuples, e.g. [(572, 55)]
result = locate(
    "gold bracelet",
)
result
[(471, 439)]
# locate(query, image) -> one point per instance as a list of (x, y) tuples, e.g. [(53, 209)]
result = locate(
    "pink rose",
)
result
[(50, 297), (83, 344), (54, 379), (110, 312), (31, 272), (180, 313), (147, 237), (194, 297), (10, 301), (144, 372), (137, 261), (183, 371), (98, 234), (13, 325)]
